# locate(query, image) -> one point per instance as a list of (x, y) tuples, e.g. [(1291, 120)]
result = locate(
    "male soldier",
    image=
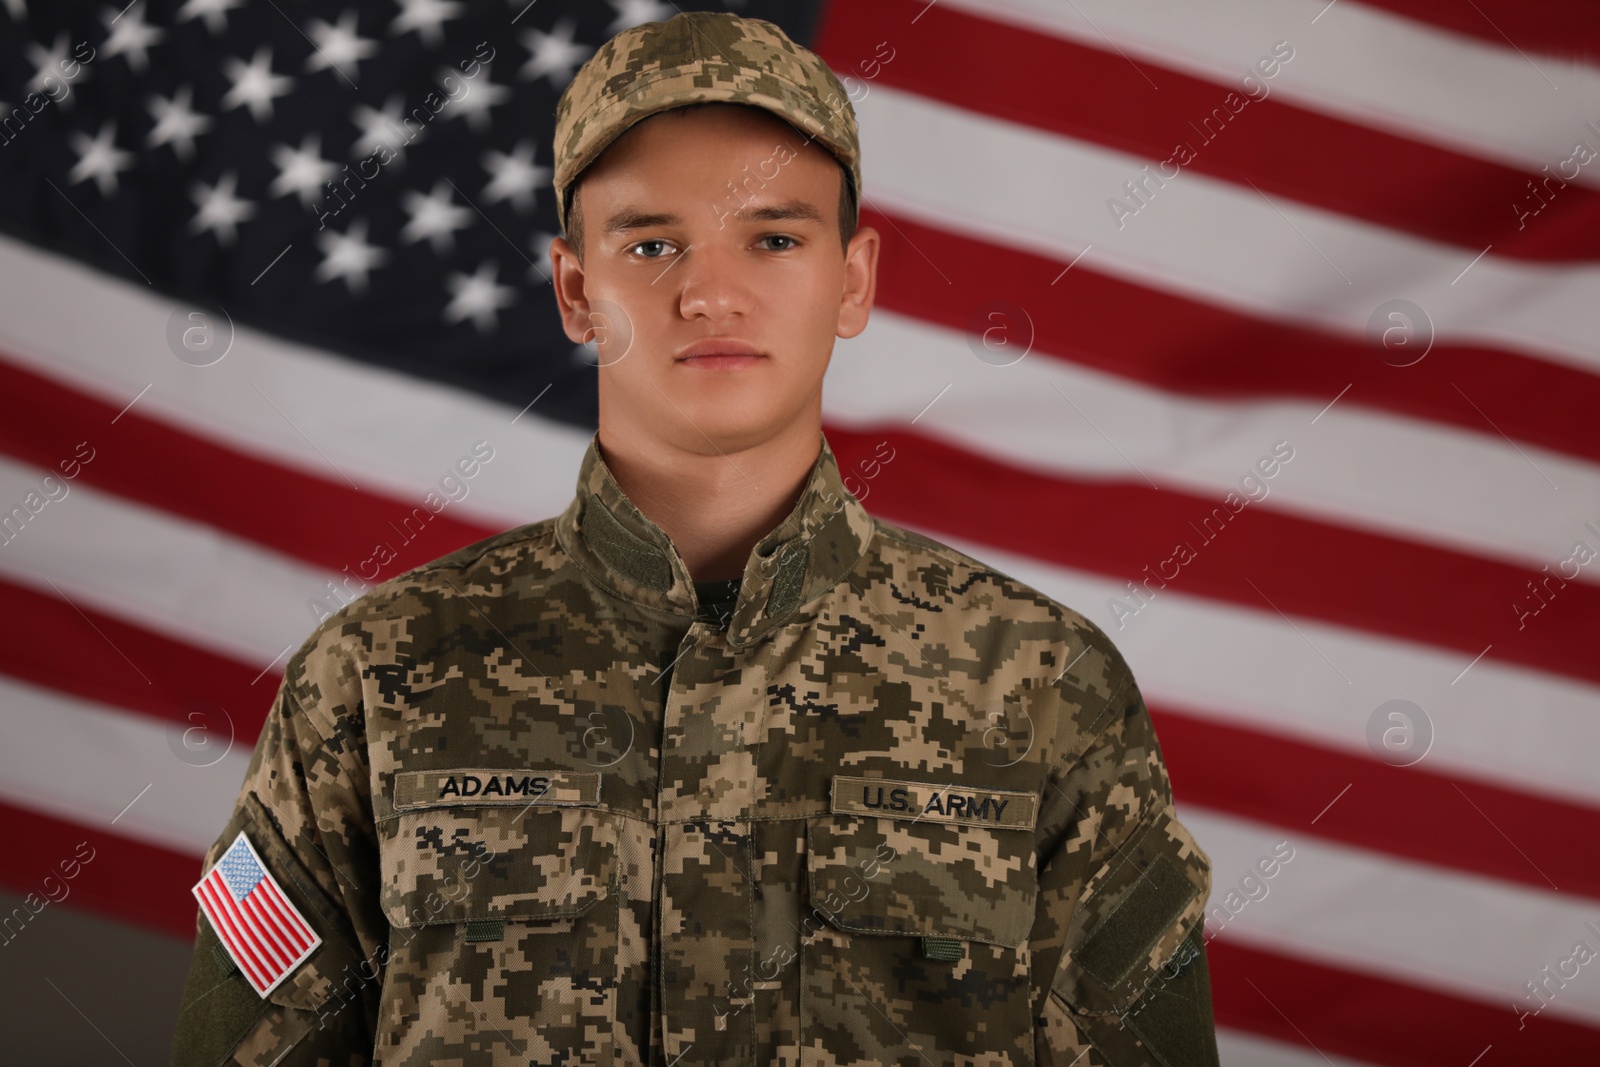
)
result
[(546, 800)]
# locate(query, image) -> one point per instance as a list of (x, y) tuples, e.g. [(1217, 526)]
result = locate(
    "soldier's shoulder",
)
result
[(977, 583), (528, 554), (1074, 653)]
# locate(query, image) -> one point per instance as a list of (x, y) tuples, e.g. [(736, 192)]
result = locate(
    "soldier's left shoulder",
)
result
[(946, 578)]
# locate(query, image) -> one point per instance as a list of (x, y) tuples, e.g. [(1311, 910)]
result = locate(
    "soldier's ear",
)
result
[(567, 279), (860, 281)]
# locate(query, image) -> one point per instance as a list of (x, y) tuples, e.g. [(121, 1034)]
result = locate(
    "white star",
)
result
[(176, 123), (433, 217), (477, 297), (384, 127), (302, 170), (632, 12), (99, 159), (128, 33), (254, 84), (348, 256), (515, 177), (474, 103), (424, 16), (338, 46), (215, 12), (555, 54), (220, 211), (47, 65)]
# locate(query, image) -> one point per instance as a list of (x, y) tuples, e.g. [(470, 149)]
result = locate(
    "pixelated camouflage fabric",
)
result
[(543, 814), (699, 57)]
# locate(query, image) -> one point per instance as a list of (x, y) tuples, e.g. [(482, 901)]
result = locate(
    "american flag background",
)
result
[(1264, 333)]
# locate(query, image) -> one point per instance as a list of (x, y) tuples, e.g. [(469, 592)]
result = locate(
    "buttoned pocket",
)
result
[(914, 940), (504, 911)]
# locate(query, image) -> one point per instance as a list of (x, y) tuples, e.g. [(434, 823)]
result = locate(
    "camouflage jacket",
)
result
[(900, 808)]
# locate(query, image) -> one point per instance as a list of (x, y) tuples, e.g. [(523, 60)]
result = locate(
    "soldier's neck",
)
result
[(714, 505)]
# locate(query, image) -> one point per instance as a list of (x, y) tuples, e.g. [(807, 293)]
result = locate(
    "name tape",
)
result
[(431, 789), (929, 802)]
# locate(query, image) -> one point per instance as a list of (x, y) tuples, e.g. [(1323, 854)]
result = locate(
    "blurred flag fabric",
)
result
[(1265, 333)]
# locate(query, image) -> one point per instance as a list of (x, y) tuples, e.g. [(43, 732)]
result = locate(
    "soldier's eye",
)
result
[(654, 248), (780, 237)]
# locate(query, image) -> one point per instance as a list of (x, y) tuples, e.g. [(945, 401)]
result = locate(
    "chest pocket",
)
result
[(500, 888), (914, 938)]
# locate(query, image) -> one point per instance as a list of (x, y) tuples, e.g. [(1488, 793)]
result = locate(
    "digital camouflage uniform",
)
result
[(898, 808)]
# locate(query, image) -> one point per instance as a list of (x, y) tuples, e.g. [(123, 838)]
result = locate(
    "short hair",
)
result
[(849, 211)]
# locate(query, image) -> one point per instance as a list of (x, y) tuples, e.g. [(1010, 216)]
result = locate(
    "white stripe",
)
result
[(1253, 668), (1352, 467), (1355, 62), (1236, 1048), (293, 405), (83, 762), (183, 579), (1426, 926), (1209, 239)]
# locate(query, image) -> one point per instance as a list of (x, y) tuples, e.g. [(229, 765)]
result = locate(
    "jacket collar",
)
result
[(809, 552)]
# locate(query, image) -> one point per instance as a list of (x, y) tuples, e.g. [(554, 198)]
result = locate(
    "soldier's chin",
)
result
[(731, 423)]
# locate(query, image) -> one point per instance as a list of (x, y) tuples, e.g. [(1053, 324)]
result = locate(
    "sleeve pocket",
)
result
[(313, 982), (1133, 919)]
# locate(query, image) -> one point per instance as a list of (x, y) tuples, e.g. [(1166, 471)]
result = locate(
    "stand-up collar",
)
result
[(807, 553)]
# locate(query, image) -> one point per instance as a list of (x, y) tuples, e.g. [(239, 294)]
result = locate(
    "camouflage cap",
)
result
[(699, 57)]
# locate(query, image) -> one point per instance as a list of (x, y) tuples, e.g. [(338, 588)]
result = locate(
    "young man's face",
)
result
[(713, 229)]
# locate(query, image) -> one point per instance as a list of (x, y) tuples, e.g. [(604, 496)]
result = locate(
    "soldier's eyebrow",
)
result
[(787, 211), (629, 219), (633, 219)]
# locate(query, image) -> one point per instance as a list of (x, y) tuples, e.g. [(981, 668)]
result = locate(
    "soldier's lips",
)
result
[(721, 362), (720, 354)]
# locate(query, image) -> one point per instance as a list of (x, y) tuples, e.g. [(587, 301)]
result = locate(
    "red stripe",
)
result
[(1340, 166), (39, 845), (285, 917), (220, 912), (144, 459), (1377, 1020), (1416, 813), (98, 657), (1569, 29), (266, 934), (1354, 578), (1201, 350)]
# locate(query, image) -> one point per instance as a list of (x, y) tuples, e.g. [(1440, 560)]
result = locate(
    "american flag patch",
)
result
[(264, 933)]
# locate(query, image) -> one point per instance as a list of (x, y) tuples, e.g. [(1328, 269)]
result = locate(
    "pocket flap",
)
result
[(875, 875)]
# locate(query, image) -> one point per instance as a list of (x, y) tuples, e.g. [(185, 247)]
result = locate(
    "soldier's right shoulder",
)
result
[(347, 637)]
